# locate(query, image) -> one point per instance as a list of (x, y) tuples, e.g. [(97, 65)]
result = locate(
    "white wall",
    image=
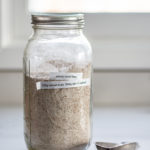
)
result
[(11, 88), (109, 88), (121, 54)]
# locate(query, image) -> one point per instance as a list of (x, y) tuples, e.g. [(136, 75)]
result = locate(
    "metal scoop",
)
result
[(114, 146)]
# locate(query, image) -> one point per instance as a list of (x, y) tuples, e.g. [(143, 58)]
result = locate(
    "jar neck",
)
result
[(42, 30)]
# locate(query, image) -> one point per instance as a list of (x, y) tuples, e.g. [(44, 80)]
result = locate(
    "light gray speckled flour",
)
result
[(57, 119)]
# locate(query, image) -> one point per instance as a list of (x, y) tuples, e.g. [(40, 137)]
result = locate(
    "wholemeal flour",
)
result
[(58, 118)]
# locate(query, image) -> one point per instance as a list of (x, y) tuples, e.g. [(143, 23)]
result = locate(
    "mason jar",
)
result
[(57, 84)]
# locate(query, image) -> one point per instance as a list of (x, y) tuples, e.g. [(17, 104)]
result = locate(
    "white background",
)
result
[(121, 45)]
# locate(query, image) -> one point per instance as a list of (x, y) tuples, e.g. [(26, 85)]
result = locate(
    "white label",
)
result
[(62, 84), (65, 76)]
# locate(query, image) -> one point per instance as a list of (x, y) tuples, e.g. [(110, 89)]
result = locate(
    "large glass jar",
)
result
[(57, 84)]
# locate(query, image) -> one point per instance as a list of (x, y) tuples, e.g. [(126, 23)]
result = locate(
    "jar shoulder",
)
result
[(48, 46)]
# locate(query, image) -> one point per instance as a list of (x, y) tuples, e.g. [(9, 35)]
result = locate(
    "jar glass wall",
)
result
[(57, 84)]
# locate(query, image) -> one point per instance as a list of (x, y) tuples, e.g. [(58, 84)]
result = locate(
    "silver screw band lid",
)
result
[(58, 19)]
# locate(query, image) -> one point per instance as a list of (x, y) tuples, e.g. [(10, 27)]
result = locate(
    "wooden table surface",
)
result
[(109, 124)]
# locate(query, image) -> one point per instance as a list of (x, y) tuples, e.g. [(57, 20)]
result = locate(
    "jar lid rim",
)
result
[(58, 19)]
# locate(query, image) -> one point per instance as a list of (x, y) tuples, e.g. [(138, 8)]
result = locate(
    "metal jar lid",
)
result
[(59, 19)]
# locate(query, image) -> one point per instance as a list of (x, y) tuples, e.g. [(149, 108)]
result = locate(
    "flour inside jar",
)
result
[(59, 117)]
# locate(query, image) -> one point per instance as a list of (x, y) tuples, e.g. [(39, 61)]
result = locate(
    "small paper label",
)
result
[(65, 76), (62, 84), (60, 80)]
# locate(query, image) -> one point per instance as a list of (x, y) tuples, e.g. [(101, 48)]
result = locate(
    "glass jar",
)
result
[(57, 84)]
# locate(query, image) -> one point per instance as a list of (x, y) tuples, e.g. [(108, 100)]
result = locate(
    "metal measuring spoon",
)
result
[(115, 146)]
